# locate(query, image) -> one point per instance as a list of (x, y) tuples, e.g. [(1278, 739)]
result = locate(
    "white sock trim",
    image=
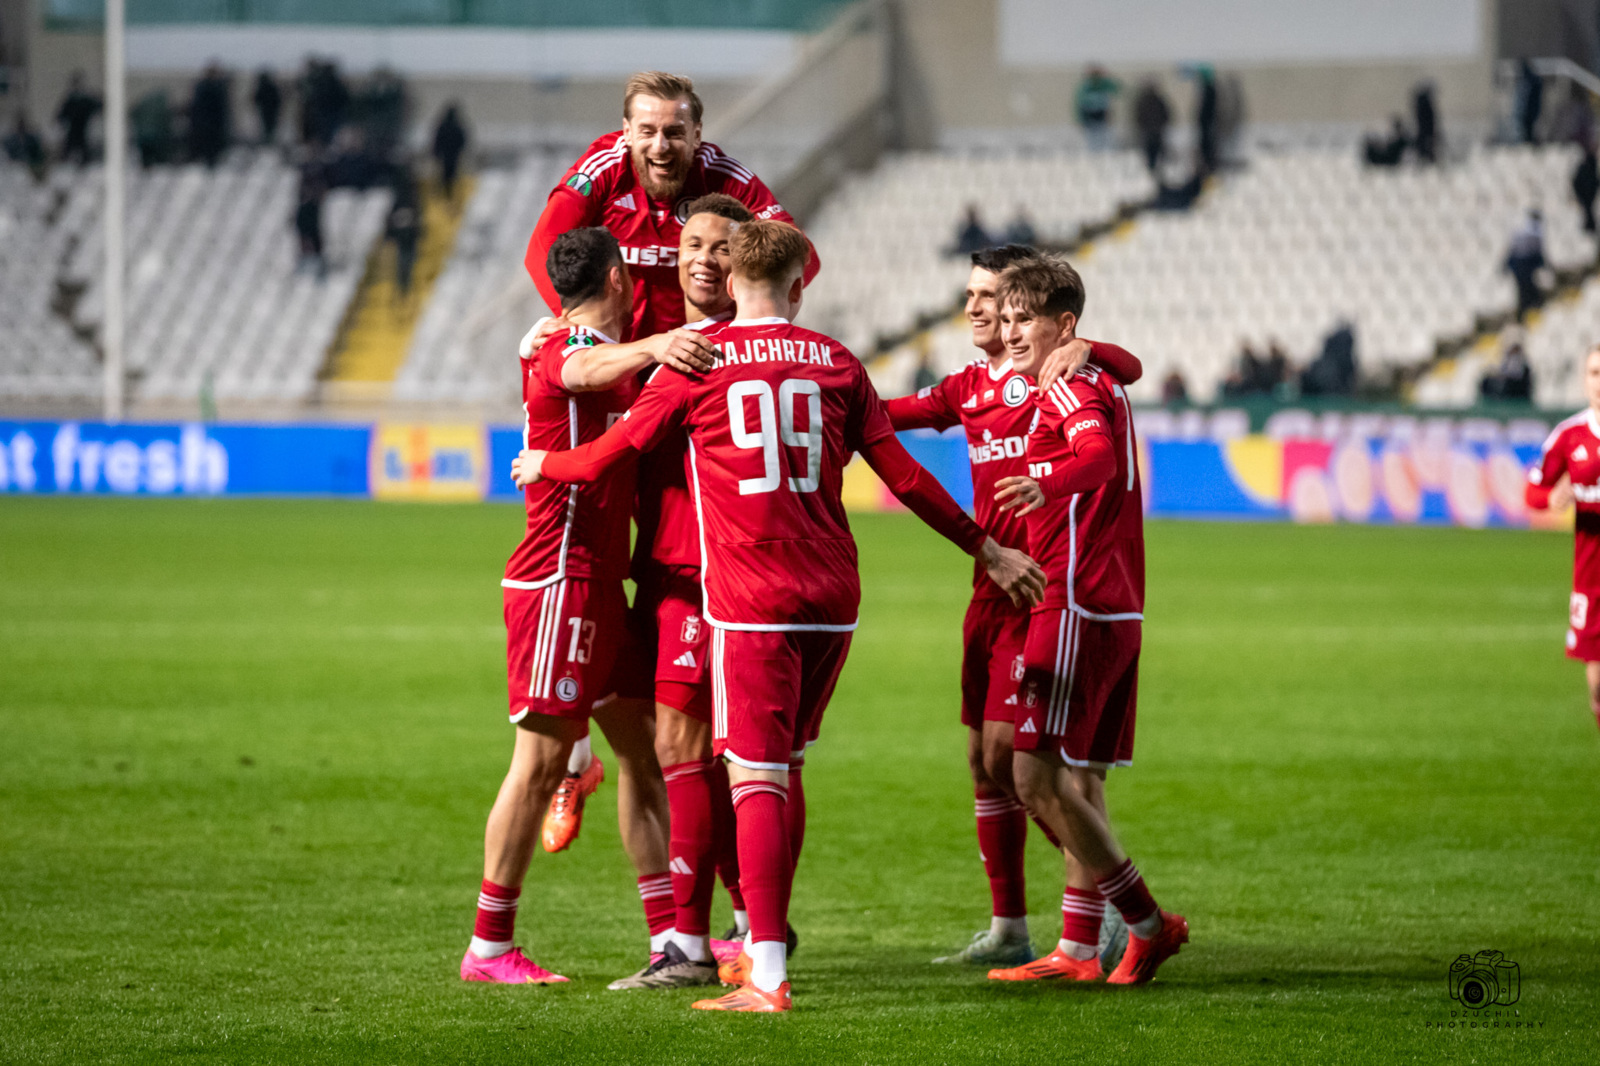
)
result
[(582, 755), (1081, 952), (1009, 928), (658, 941), (741, 921), (1147, 927), (694, 948), (769, 964), (490, 949)]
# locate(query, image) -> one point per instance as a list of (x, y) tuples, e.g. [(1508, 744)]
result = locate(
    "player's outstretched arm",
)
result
[(1557, 497), (1072, 356), (929, 408), (1093, 465), (913, 486), (565, 210), (582, 465), (605, 365)]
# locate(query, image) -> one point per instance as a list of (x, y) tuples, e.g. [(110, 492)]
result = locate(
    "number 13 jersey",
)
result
[(771, 427)]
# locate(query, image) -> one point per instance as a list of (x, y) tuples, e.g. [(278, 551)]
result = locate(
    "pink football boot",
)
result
[(512, 968)]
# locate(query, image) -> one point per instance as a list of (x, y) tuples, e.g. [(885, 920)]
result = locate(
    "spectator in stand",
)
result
[(1151, 117), (1586, 184), (210, 116), (405, 230), (1427, 121), (324, 102), (1174, 393), (449, 142), (24, 145), (1525, 259), (1277, 364), (1093, 104), (1205, 116), (382, 106), (78, 109), (151, 119), (1389, 152), (1021, 230), (1512, 380), (268, 99), (1333, 373), (972, 237), (308, 218), (1230, 115), (1529, 102), (1574, 119)]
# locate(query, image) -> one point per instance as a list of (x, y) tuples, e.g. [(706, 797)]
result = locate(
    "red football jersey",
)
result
[(669, 531), (771, 427), (573, 530), (601, 189), (1090, 544), (1573, 448), (996, 407)]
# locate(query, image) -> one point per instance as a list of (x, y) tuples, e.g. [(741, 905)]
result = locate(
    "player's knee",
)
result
[(997, 767), (1032, 780)]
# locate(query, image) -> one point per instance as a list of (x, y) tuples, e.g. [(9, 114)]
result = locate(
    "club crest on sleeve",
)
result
[(1015, 393), (580, 184)]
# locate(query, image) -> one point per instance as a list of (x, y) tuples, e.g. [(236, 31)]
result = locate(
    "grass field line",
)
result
[(98, 629), (1355, 634)]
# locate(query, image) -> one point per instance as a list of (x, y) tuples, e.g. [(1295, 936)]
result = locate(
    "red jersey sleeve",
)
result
[(1123, 364), (589, 462), (660, 409), (936, 406), (565, 210), (1544, 474), (869, 420), (1080, 415), (550, 359), (920, 491)]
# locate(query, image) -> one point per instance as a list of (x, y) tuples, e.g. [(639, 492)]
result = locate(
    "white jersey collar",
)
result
[(771, 320), (712, 321), (996, 373), (1594, 422), (590, 329)]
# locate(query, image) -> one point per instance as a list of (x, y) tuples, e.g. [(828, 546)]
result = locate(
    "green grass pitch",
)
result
[(246, 750)]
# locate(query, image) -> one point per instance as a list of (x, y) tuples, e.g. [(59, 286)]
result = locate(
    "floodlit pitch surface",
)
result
[(248, 748)]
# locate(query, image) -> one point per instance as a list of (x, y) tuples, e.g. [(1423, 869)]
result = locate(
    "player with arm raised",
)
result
[(771, 428), (638, 183), (1569, 472), (564, 613), (1081, 661), (993, 401)]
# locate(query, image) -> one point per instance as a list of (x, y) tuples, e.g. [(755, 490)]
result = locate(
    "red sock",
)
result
[(656, 892), (766, 865), (693, 866), (1049, 834), (1081, 912), (1124, 887), (497, 913), (1002, 833), (796, 811), (727, 835)]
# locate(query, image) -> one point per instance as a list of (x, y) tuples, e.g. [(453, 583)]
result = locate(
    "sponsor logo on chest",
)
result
[(649, 255), (992, 450)]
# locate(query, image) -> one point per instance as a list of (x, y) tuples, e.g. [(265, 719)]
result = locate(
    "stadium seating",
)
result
[(1557, 341), (213, 295), (465, 345)]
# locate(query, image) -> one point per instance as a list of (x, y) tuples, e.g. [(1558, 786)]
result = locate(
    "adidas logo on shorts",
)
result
[(680, 866), (1027, 726), (686, 659)]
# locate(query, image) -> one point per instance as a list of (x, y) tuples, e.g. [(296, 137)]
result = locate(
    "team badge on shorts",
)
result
[(1016, 392), (691, 629), (1017, 669), (567, 690), (1579, 610)]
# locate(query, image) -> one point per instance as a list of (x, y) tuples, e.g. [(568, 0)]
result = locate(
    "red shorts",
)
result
[(1583, 627), (769, 691), (562, 643), (672, 642), (993, 636), (1080, 687)]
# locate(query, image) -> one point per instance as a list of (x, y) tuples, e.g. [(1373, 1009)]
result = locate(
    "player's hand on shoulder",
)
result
[(534, 339), (683, 350), (1064, 362), (1013, 571), (525, 467), (1019, 491), (1561, 494)]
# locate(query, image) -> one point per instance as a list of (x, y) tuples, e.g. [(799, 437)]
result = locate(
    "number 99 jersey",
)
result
[(771, 427)]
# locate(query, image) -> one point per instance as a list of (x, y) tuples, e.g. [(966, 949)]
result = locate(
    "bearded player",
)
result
[(638, 182), (1075, 720), (771, 428), (565, 606), (1569, 471), (993, 401)]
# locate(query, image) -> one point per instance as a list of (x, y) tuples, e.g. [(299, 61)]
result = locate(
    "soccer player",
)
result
[(565, 605), (994, 402), (771, 428), (1085, 524), (1568, 472), (638, 183)]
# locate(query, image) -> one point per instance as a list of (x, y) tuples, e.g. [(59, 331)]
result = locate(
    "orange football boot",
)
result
[(1057, 965), (735, 973), (1139, 962), (565, 817), (751, 999)]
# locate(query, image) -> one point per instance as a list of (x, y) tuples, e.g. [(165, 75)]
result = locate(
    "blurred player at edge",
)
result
[(1569, 472), (670, 660), (1085, 520), (771, 428), (565, 608), (994, 402), (638, 182)]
